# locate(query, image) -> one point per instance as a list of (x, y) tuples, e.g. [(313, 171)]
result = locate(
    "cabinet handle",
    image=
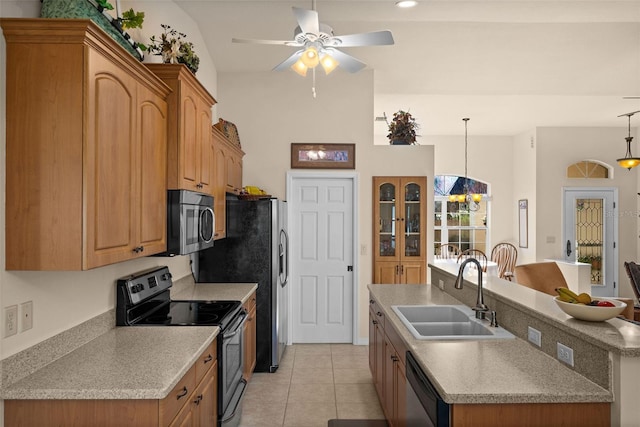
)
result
[(208, 359), (375, 322), (394, 358), (379, 314), (183, 393), (138, 249), (371, 301), (216, 234), (198, 399), (401, 270)]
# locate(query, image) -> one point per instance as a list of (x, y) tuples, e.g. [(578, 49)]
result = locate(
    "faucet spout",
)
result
[(480, 307)]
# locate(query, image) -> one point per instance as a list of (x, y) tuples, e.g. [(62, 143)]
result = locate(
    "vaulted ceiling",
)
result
[(509, 65)]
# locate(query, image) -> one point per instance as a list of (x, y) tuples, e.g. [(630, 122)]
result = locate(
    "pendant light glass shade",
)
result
[(471, 199), (628, 161)]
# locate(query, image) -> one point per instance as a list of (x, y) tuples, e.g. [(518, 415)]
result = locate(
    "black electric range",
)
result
[(144, 299)]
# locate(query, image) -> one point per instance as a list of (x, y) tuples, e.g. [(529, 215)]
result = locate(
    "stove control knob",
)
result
[(134, 289)]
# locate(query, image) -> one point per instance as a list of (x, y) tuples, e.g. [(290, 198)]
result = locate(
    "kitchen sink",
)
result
[(447, 322)]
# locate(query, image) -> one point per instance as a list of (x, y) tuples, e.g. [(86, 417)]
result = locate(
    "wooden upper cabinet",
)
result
[(226, 176), (189, 152), (86, 149)]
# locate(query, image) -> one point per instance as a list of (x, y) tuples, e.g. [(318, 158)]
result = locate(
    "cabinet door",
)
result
[(386, 272), (379, 349), (206, 149), (205, 399), (386, 216), (400, 398), (250, 338), (234, 172), (413, 218), (412, 273), (219, 187), (189, 150), (111, 176), (388, 384), (152, 197)]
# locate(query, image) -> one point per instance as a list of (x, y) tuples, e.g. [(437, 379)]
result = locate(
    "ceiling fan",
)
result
[(320, 46)]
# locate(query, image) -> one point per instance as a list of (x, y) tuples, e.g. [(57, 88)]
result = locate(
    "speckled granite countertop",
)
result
[(187, 289), (134, 362), (614, 335), (488, 371)]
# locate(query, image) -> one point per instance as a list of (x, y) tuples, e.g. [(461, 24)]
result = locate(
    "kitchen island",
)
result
[(606, 354)]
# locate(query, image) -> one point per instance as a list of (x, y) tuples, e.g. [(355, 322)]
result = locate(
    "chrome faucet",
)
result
[(481, 309)]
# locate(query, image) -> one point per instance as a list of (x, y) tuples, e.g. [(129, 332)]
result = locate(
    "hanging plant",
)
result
[(402, 129)]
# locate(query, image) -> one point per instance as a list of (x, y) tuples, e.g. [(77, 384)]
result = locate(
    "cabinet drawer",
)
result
[(377, 312), (178, 397), (206, 360)]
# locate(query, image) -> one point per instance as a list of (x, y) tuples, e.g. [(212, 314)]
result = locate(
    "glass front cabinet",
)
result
[(399, 229)]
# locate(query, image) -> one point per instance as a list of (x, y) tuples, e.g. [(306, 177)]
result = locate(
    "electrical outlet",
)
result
[(27, 315), (535, 336), (565, 354), (441, 284), (10, 320)]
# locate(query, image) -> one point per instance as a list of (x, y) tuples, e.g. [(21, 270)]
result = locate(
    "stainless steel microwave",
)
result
[(190, 222)]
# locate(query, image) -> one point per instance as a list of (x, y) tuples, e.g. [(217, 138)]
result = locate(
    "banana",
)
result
[(567, 295)]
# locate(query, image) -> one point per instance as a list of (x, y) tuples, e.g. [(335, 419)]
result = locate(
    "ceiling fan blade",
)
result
[(374, 38), (348, 62), (307, 20), (287, 63), (276, 42)]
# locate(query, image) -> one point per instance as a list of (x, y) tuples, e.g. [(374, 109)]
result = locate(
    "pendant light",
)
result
[(471, 199), (628, 161)]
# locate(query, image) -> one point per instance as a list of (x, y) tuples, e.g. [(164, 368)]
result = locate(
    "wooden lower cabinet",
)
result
[(387, 368), (406, 273), (192, 402), (250, 338)]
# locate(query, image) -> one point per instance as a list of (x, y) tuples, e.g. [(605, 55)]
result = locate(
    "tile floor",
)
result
[(314, 384)]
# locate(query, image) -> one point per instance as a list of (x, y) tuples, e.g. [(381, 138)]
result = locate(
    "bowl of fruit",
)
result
[(583, 307)]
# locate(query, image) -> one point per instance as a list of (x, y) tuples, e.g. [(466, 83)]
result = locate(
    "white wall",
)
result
[(64, 299), (524, 187), (272, 110), (558, 148)]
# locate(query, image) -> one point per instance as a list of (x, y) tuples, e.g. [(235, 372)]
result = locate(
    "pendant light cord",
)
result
[(466, 178)]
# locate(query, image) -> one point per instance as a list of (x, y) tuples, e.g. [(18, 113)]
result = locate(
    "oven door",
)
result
[(231, 384)]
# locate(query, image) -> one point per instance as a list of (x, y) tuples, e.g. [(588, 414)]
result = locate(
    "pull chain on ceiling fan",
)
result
[(319, 46)]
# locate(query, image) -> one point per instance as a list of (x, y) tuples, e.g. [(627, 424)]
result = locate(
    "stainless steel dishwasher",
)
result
[(425, 407)]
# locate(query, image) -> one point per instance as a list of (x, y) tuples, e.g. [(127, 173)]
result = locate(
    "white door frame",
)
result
[(353, 176)]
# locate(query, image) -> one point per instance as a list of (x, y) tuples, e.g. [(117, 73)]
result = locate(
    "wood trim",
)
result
[(79, 413), (182, 73), (532, 414)]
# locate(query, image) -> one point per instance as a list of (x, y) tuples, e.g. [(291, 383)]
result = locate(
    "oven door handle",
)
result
[(238, 325)]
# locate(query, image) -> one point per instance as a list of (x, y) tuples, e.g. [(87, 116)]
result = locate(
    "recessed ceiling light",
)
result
[(406, 3)]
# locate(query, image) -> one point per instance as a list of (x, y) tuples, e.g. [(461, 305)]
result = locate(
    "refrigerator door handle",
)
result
[(284, 258)]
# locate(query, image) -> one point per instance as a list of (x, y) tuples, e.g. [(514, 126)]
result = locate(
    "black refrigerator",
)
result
[(256, 251)]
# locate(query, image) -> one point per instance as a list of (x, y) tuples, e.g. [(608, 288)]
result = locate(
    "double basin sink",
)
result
[(447, 322)]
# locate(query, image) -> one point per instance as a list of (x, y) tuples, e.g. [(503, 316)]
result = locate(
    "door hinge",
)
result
[(614, 205), (614, 245), (349, 267), (614, 285)]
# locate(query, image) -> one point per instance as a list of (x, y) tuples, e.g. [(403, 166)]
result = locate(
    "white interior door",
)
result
[(590, 234), (322, 276)]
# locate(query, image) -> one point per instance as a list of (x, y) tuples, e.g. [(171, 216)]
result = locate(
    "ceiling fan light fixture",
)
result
[(300, 68), (328, 63), (310, 57), (406, 3)]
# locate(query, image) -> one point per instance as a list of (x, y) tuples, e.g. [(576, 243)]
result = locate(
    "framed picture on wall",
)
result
[(523, 221), (323, 156)]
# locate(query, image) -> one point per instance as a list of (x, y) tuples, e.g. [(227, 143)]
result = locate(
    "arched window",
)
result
[(454, 222), (588, 169)]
